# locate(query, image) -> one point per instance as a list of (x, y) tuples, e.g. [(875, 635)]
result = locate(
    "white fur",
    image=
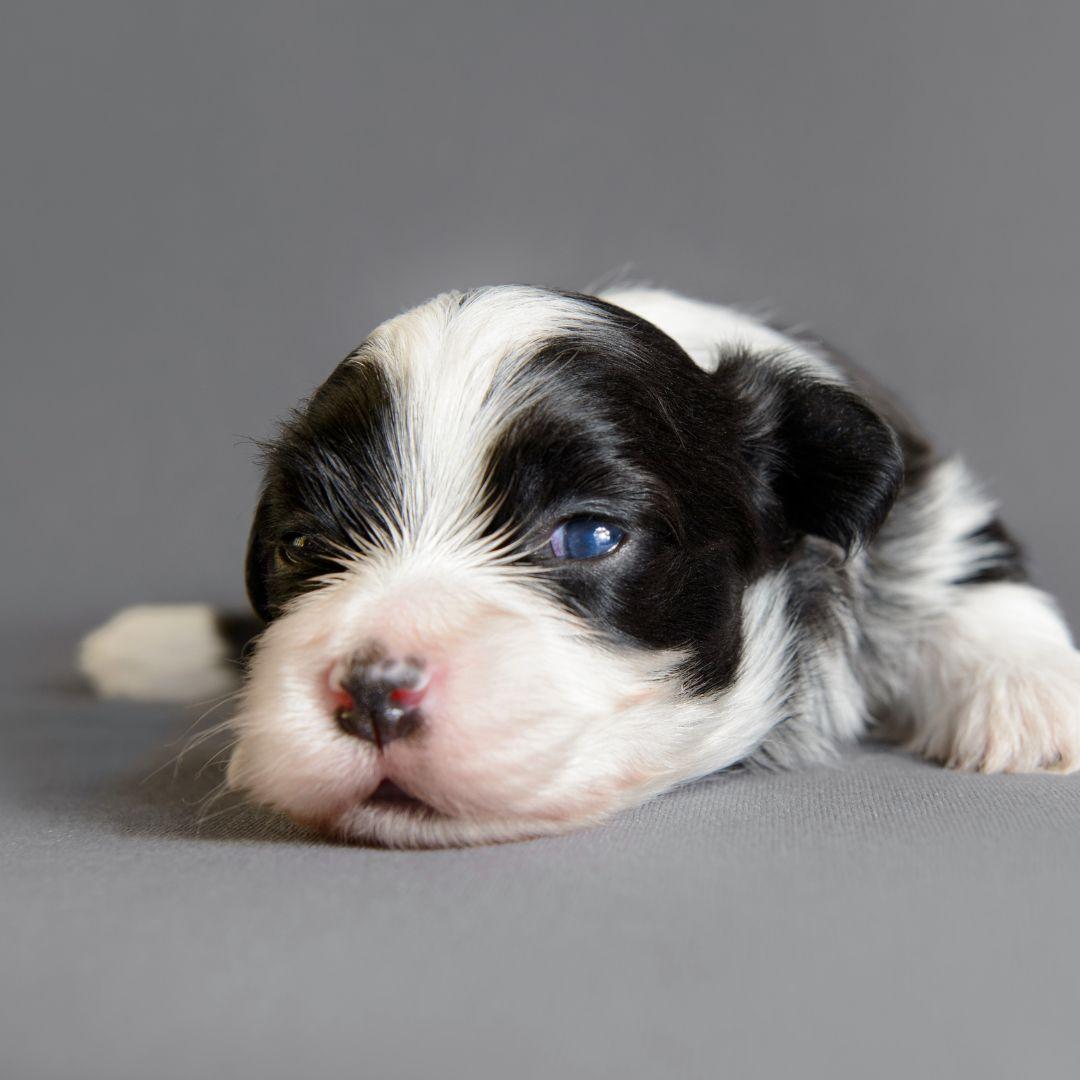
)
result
[(159, 652), (704, 330), (996, 684), (452, 361), (504, 738)]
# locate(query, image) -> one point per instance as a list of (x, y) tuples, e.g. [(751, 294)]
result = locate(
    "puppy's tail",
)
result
[(167, 652)]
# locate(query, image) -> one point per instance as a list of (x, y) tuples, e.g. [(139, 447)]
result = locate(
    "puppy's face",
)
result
[(518, 557)]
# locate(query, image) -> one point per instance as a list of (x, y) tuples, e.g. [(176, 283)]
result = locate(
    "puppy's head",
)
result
[(519, 562)]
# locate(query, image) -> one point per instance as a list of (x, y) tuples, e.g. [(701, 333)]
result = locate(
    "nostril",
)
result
[(408, 697), (379, 698)]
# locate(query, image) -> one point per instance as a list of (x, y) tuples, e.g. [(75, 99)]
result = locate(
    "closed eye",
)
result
[(585, 538)]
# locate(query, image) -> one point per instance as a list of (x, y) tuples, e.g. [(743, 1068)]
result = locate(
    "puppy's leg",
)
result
[(978, 664), (997, 684), (166, 652)]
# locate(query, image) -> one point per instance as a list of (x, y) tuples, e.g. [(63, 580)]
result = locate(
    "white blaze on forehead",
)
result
[(455, 364)]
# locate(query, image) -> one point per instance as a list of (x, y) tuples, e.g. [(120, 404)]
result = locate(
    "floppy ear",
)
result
[(257, 565), (825, 463)]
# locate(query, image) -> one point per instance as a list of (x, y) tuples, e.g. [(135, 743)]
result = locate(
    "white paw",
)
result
[(159, 652), (1019, 714)]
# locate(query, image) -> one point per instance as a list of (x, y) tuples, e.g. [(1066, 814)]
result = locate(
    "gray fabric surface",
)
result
[(881, 918)]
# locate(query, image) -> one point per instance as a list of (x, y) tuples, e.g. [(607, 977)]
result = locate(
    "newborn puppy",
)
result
[(528, 558)]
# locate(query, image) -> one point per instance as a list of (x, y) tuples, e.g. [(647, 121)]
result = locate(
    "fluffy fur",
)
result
[(798, 565)]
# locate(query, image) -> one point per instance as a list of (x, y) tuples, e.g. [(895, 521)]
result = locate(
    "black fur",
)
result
[(1004, 563), (324, 481), (238, 632)]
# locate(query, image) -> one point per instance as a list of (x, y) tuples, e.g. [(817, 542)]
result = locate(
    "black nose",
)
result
[(385, 697)]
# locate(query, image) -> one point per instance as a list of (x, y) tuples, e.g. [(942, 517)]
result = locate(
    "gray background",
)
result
[(204, 207)]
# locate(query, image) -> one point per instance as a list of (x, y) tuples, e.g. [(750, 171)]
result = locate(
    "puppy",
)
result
[(528, 558)]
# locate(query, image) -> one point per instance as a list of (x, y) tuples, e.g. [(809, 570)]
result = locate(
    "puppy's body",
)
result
[(528, 558)]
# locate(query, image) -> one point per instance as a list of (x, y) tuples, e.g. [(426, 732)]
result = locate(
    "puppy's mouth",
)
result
[(389, 797)]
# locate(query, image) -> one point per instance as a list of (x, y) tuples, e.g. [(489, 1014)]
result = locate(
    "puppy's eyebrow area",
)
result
[(334, 465), (538, 474)]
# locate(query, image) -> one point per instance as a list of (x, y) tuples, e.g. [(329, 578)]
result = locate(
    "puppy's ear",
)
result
[(260, 551), (824, 462)]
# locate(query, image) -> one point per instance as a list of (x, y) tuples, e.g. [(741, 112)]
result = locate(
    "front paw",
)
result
[(1011, 714)]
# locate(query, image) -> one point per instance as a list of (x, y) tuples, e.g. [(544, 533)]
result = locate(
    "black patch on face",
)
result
[(617, 434), (714, 477), (325, 478)]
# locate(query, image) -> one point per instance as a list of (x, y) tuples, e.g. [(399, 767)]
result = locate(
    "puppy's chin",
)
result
[(364, 809), (394, 819)]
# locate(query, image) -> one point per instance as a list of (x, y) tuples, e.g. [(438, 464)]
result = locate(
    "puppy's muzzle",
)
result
[(380, 698)]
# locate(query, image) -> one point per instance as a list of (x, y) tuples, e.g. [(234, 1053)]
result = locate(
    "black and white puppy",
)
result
[(528, 558)]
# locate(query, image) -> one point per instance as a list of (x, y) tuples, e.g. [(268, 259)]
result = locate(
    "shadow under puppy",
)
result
[(528, 558)]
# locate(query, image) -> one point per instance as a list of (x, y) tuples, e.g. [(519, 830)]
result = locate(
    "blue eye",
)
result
[(585, 538)]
